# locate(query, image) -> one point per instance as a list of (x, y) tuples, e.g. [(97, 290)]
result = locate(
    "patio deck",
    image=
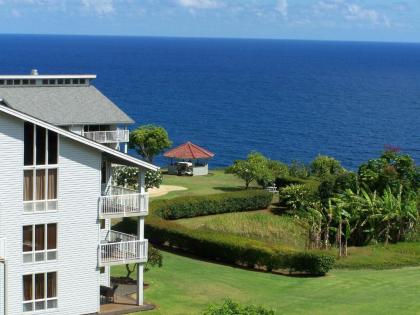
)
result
[(124, 303)]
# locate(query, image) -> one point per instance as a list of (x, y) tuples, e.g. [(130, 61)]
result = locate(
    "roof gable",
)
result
[(189, 150), (114, 153)]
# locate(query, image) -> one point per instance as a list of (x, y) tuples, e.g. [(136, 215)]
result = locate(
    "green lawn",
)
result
[(185, 286), (259, 225), (216, 182)]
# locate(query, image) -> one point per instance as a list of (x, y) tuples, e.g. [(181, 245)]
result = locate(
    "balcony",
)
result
[(2, 249), (119, 248), (114, 136), (123, 202)]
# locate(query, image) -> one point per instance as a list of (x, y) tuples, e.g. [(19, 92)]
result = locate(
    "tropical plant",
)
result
[(149, 141)]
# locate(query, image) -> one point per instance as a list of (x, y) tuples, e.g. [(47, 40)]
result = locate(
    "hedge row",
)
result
[(221, 247), (193, 206), (236, 250)]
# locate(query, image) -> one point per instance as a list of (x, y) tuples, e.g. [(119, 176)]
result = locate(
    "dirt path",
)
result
[(163, 190)]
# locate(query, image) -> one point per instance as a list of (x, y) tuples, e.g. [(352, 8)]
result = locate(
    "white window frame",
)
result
[(45, 299), (43, 205), (33, 253)]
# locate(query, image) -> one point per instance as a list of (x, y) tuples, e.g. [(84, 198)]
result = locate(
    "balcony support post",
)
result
[(140, 236)]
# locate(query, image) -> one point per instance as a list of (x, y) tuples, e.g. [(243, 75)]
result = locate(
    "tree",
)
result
[(324, 166), (154, 258), (274, 170), (253, 168), (392, 169), (298, 169), (149, 141)]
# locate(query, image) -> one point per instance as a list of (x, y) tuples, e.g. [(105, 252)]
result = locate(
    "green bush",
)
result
[(314, 263), (296, 197), (231, 308), (193, 206)]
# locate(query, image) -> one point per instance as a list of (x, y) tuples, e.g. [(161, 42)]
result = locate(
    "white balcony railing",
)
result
[(2, 248), (114, 136), (123, 202), (120, 248)]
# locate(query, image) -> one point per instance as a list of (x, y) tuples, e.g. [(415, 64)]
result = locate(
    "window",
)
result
[(9, 82), (40, 291), (40, 169), (102, 269), (32, 82), (51, 81), (16, 82), (75, 81), (60, 81), (25, 82), (45, 82), (103, 224), (82, 81), (39, 242), (67, 81), (1, 82)]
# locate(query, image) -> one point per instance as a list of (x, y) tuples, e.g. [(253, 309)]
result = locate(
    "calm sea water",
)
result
[(286, 99)]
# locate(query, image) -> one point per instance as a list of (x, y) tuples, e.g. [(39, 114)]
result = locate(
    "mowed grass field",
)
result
[(185, 286), (215, 182)]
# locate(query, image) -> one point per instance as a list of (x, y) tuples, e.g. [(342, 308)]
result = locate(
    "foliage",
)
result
[(392, 169), (325, 166), (153, 179), (255, 167), (149, 141), (188, 207), (234, 249), (295, 197), (276, 169), (154, 258), (298, 169), (231, 308), (347, 180), (128, 176)]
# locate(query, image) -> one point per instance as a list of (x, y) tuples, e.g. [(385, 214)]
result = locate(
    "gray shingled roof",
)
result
[(65, 105)]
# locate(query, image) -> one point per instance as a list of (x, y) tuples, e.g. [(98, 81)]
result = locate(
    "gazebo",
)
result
[(188, 159)]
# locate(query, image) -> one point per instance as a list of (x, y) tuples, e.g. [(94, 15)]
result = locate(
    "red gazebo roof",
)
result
[(189, 151)]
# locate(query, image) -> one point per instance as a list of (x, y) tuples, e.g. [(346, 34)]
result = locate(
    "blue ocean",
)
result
[(290, 100)]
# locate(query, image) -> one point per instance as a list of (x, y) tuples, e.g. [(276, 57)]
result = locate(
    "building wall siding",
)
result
[(77, 219)]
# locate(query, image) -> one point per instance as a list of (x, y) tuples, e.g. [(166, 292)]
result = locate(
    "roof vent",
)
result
[(34, 72)]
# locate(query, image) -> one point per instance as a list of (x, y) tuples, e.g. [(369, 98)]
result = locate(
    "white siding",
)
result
[(77, 218), (11, 209)]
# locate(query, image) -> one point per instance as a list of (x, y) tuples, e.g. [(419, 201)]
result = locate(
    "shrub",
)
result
[(295, 197), (231, 308), (193, 206), (311, 262)]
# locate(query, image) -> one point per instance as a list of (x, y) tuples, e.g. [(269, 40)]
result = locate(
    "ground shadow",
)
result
[(228, 189)]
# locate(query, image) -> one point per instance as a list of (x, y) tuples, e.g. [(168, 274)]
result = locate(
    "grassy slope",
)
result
[(216, 182), (260, 225), (185, 286)]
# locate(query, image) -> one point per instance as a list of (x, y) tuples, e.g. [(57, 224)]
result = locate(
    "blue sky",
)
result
[(371, 20)]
